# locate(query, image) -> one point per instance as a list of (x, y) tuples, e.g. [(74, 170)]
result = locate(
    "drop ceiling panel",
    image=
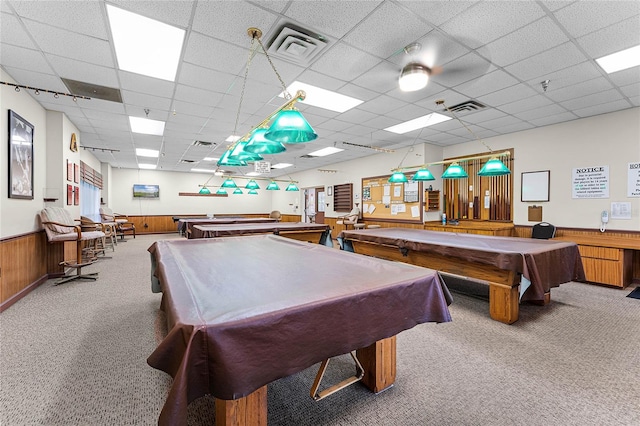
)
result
[(595, 85), (19, 57), (582, 17), (601, 97), (487, 83), (569, 76), (144, 84), (382, 104), (176, 13), (12, 32), (199, 77), (345, 62), (527, 41), (80, 71), (333, 18), (381, 33), (380, 77), (602, 108), (549, 61), (612, 39), (436, 12), (214, 54), (144, 100), (505, 17), (197, 95)]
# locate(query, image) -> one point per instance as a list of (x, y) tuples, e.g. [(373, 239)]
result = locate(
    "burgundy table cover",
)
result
[(186, 223), (546, 263), (214, 231), (245, 311)]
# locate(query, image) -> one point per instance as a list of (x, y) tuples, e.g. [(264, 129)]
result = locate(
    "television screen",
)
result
[(146, 191)]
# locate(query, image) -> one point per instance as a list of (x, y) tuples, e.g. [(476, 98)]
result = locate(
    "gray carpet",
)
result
[(76, 354)]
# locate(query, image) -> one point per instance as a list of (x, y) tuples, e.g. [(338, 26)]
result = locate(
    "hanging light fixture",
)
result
[(238, 191), (454, 171), (289, 126), (398, 177), (292, 187), (273, 186), (252, 184), (229, 162), (221, 191), (258, 144), (494, 167), (253, 192), (229, 183), (240, 154), (423, 174), (204, 191)]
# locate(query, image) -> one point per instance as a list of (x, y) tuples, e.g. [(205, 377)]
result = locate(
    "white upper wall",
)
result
[(605, 140), (18, 216)]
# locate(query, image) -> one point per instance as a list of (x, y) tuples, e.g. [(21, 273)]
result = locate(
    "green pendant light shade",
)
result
[(289, 126), (423, 174), (252, 184), (292, 187), (238, 191), (229, 162), (229, 183), (253, 192), (273, 186), (454, 171), (239, 153), (258, 144), (494, 167), (204, 190), (398, 177), (221, 191)]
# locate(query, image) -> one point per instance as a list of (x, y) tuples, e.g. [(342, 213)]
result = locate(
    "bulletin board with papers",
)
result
[(391, 202)]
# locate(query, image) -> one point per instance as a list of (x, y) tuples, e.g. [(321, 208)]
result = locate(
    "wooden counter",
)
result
[(606, 259), (482, 227)]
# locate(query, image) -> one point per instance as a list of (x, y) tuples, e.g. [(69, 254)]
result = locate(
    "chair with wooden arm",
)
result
[(122, 223), (61, 227), (349, 219)]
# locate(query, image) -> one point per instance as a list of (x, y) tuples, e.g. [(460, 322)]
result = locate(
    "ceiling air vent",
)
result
[(202, 143), (187, 161), (92, 90), (297, 45), (467, 106)]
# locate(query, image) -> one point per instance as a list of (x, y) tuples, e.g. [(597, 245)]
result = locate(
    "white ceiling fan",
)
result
[(415, 75)]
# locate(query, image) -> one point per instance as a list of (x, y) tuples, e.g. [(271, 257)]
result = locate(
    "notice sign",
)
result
[(633, 182), (591, 182), (262, 167)]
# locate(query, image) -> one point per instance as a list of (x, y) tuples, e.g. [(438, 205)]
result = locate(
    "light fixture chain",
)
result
[(286, 93), (244, 85), (465, 126)]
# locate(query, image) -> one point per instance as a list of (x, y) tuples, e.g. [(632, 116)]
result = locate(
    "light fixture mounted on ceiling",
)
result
[(415, 75)]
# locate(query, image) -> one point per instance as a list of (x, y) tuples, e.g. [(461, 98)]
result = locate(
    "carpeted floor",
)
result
[(76, 354)]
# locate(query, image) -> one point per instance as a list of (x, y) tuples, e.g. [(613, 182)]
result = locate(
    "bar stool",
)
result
[(359, 225)]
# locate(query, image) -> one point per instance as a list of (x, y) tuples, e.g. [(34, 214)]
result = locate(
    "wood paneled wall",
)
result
[(23, 266), (163, 224)]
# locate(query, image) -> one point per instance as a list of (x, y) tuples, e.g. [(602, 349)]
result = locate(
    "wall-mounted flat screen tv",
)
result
[(146, 191)]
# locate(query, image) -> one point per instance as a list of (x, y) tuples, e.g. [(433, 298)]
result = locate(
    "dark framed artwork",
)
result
[(20, 157), (69, 195)]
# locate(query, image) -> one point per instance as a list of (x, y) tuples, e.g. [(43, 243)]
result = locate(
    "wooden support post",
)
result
[(379, 363), (248, 411)]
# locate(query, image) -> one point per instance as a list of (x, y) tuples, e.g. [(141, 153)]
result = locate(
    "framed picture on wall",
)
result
[(329, 191), (535, 186), (76, 196), (69, 195), (20, 157), (69, 171), (76, 173)]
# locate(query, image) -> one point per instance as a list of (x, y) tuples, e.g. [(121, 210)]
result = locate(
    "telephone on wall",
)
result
[(604, 219)]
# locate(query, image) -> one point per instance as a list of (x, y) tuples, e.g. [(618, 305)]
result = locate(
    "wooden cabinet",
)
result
[(503, 229), (431, 201), (343, 197), (606, 260)]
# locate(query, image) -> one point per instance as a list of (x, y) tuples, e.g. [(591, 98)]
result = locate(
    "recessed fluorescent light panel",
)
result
[(418, 123), (146, 126), (141, 152), (620, 60), (253, 174), (145, 46), (323, 98), (146, 166), (232, 138), (210, 159), (325, 151), (281, 166), (202, 170)]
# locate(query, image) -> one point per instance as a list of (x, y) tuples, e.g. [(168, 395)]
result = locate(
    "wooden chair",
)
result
[(60, 227), (275, 214), (88, 224), (122, 223)]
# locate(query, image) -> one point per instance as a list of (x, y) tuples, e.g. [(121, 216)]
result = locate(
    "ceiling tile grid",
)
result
[(496, 53)]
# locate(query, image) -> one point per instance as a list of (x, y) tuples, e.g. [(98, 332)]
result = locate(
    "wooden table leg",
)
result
[(379, 363), (248, 411), (504, 303)]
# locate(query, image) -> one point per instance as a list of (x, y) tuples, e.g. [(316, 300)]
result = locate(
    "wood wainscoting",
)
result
[(23, 266)]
